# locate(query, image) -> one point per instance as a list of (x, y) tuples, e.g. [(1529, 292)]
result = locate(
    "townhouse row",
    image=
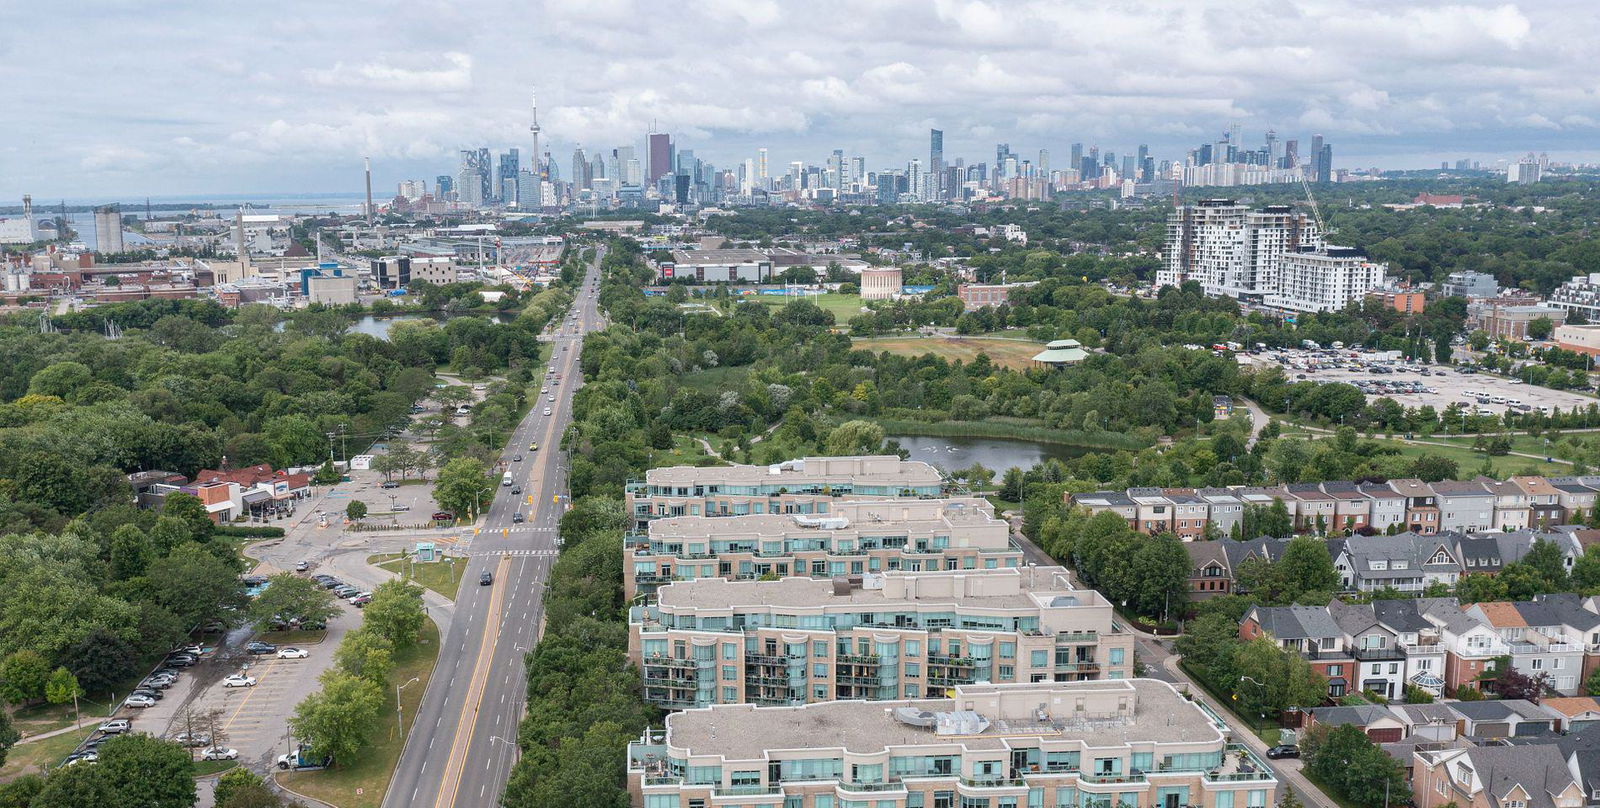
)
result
[(1479, 504), (1406, 562), (1136, 743), (1436, 644)]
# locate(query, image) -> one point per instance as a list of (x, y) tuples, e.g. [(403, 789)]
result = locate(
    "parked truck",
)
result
[(303, 759)]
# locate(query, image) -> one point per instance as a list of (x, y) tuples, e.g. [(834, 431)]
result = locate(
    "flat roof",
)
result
[(1011, 588), (735, 256), (1157, 713), (865, 468), (871, 517)]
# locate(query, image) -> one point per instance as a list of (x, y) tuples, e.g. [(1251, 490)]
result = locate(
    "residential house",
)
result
[(1534, 776), (1480, 554), (1115, 501), (1418, 639), (1504, 718), (1314, 510), (1464, 507), (1388, 506), (1225, 509), (1575, 496), (1422, 505), (1154, 514), (1189, 513), (1577, 712), (1545, 636), (1544, 501), (1380, 660), (1512, 507), (1265, 496), (1209, 573), (1379, 722), (1405, 561), (1309, 631), (1427, 722), (1471, 644), (1352, 509)]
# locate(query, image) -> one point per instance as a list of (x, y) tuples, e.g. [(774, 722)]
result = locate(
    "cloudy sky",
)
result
[(110, 99)]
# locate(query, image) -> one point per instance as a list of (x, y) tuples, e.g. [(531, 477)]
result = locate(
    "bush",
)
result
[(249, 531)]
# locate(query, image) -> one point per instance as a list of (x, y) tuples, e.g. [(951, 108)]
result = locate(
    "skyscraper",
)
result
[(1144, 158), (836, 169), (936, 164), (1324, 161), (580, 169), (472, 181), (505, 178), (533, 128), (443, 185), (659, 157), (761, 168), (1044, 163), (1077, 157), (1291, 154)]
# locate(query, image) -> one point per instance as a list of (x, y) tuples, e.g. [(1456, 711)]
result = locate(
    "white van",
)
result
[(506, 479)]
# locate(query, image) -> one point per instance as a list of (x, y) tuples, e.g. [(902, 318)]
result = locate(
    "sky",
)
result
[(123, 99)]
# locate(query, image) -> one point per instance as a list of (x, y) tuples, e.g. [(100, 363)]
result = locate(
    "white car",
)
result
[(220, 753), (292, 653), (544, 389), (552, 398), (546, 410), (139, 701), (116, 727), (239, 680)]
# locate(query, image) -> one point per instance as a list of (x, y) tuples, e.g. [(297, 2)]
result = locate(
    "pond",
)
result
[(374, 325), (996, 454)]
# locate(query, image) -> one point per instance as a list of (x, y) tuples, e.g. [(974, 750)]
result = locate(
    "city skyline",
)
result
[(293, 106)]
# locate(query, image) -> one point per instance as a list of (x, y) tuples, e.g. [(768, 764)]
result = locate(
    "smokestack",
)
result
[(27, 206), (367, 162)]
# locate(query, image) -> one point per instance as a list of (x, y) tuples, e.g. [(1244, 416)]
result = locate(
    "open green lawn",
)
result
[(205, 767), (1469, 461), (1009, 353), (843, 307), (441, 576), (25, 758), (1519, 443), (370, 772)]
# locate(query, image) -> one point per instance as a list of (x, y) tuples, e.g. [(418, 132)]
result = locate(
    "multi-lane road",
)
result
[(462, 740)]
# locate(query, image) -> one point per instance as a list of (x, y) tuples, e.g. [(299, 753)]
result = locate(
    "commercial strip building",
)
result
[(810, 485), (896, 635), (853, 537), (1134, 742), (716, 266)]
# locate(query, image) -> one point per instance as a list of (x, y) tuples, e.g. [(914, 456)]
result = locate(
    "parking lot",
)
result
[(1416, 385)]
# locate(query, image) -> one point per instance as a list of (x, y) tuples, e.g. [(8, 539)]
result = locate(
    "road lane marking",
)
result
[(451, 784)]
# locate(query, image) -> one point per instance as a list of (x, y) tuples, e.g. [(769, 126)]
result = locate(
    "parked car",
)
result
[(115, 726), (181, 660), (486, 578), (288, 652), (239, 680), (147, 691), (220, 753), (332, 583), (443, 516), (81, 757), (192, 740), (1287, 750), (259, 648), (156, 683), (347, 591), (361, 600), (192, 650), (389, 484), (302, 566), (138, 701)]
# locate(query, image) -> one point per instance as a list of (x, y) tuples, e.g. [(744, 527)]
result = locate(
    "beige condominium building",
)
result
[(808, 486), (893, 636), (854, 537), (1135, 742)]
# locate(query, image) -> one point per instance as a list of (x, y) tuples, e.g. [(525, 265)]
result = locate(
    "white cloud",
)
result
[(290, 95)]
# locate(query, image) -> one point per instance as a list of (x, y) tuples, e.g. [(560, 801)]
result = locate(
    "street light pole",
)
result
[(398, 708)]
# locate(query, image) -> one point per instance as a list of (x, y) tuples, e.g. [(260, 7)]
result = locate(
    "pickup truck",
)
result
[(303, 759)]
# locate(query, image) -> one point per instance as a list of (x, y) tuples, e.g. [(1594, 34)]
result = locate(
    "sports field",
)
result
[(1006, 352), (844, 307)]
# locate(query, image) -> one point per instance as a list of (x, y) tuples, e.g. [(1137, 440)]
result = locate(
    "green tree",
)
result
[(1432, 468), (1547, 560), (61, 379), (462, 486), (289, 596), (147, 772), (356, 510), (1540, 328), (339, 719), (1586, 570), (1276, 522), (1353, 766), (130, 552), (22, 677), (326, 474), (1480, 588), (8, 735), (21, 792), (395, 613), (192, 512), (854, 438), (366, 654), (1161, 566), (75, 787), (1011, 485), (1208, 644), (193, 584), (238, 782), (1307, 566), (61, 687)]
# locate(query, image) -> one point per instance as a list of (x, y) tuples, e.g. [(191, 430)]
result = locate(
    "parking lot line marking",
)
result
[(266, 668)]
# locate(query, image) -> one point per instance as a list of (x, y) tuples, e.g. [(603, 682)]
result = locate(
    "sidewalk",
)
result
[(1288, 771)]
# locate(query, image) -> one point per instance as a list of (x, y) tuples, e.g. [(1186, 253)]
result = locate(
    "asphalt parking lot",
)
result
[(1450, 386)]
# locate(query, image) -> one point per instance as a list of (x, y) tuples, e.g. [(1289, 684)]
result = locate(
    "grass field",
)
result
[(440, 576), (25, 758), (370, 772), (714, 380), (1468, 461), (1008, 353), (843, 307)]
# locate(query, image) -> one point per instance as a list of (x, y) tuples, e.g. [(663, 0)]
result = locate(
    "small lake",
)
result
[(996, 454), (379, 326)]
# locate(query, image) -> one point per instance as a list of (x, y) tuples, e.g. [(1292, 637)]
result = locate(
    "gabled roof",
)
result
[(1361, 715), (1265, 548), (1535, 486), (1203, 554), (1572, 706), (1352, 618), (1501, 614), (1539, 771), (1296, 622), (1460, 489), (1400, 615), (1412, 488), (1500, 488), (1380, 491), (1413, 548), (1501, 710)]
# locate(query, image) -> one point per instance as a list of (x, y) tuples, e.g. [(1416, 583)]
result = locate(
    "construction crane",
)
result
[(1316, 212)]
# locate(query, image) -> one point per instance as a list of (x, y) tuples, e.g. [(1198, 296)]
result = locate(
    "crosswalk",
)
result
[(498, 553)]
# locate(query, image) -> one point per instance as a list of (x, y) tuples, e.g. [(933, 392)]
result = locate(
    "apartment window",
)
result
[(819, 670), (1555, 664), (1538, 664), (730, 672), (730, 695), (1335, 670), (730, 650), (1116, 656), (1040, 659)]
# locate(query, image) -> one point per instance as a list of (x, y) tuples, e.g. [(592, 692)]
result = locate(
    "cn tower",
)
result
[(538, 167)]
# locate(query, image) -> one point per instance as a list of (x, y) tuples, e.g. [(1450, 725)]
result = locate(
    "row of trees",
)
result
[(340, 718)]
